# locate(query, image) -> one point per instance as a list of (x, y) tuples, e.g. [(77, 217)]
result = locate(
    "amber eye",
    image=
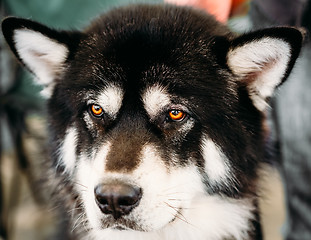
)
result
[(176, 115), (96, 110)]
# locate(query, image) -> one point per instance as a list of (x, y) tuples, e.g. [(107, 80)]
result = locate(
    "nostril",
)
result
[(126, 201), (117, 198), (129, 196), (101, 199)]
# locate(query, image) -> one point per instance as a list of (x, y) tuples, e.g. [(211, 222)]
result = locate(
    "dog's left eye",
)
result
[(176, 115), (96, 110)]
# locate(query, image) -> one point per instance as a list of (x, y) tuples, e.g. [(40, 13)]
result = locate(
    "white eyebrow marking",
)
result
[(110, 99), (155, 98)]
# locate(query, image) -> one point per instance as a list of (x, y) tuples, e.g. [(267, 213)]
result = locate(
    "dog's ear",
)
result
[(43, 51), (262, 60)]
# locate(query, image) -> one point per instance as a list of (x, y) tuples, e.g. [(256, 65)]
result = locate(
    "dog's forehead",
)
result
[(150, 64), (137, 42)]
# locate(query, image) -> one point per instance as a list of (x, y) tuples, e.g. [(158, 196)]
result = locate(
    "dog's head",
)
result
[(155, 112)]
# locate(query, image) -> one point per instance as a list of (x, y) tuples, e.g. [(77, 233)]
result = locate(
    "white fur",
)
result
[(43, 56), (267, 59), (166, 190), (67, 151), (89, 175), (110, 99), (208, 217), (155, 98), (216, 163)]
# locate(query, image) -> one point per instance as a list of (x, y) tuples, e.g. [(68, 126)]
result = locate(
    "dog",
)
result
[(156, 120)]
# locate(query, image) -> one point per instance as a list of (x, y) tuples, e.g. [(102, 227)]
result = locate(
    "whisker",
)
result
[(52, 209), (177, 211), (176, 199), (75, 209), (179, 215), (84, 224), (77, 222), (84, 190), (184, 220), (81, 185)]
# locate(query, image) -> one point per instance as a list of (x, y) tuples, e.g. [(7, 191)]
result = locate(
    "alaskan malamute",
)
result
[(156, 120)]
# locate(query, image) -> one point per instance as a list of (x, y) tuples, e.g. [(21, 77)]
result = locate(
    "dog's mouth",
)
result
[(120, 228), (123, 224)]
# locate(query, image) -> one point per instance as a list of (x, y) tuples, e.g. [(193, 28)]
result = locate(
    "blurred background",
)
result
[(286, 190)]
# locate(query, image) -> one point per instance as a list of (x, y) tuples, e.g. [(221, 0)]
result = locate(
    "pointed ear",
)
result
[(262, 60), (42, 50)]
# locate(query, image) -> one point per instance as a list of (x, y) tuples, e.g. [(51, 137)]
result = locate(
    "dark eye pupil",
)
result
[(96, 108)]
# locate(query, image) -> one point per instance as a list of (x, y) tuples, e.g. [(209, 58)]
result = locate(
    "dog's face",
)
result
[(156, 116)]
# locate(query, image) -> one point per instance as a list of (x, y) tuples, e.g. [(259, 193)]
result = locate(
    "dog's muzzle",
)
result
[(117, 198)]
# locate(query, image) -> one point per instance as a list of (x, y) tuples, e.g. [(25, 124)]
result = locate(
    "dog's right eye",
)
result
[(177, 115), (96, 110)]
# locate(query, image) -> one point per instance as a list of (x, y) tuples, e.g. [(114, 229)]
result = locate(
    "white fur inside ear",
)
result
[(261, 64), (42, 55)]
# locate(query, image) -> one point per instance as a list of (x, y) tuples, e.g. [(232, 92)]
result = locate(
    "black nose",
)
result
[(117, 198)]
